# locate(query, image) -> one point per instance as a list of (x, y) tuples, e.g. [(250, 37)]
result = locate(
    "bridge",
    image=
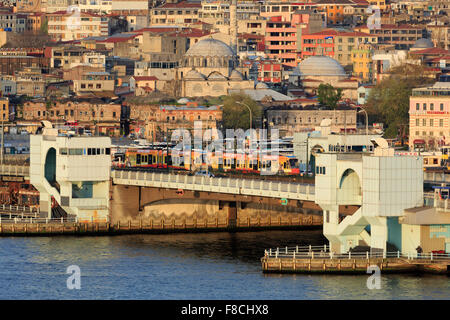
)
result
[(374, 187), (436, 177), (246, 187)]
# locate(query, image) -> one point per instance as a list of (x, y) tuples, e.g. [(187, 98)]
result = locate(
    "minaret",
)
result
[(233, 25)]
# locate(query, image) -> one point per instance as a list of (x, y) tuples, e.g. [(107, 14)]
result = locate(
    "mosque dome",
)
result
[(320, 66), (261, 85), (423, 43), (210, 48), (183, 101)]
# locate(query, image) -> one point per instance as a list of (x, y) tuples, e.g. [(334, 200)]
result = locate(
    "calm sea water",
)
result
[(184, 266)]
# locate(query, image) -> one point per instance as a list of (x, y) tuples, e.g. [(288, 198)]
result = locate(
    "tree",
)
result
[(329, 95), (237, 116), (388, 101), (44, 26)]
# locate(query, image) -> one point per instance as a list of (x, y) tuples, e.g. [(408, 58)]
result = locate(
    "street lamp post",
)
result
[(3, 139), (367, 120), (249, 110)]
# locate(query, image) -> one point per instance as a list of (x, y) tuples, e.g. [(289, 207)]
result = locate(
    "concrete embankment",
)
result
[(155, 226)]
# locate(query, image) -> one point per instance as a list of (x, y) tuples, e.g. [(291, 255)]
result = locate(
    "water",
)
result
[(184, 266)]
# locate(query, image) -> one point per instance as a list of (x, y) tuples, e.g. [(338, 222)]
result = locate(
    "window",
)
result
[(424, 106), (431, 122), (417, 122), (424, 122), (431, 106), (442, 107), (75, 152), (441, 122), (63, 151), (417, 106)]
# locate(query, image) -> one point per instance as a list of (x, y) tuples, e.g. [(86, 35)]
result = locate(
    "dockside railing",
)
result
[(323, 252)]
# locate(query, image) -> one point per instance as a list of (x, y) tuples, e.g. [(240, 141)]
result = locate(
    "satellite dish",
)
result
[(46, 124), (380, 142), (325, 123)]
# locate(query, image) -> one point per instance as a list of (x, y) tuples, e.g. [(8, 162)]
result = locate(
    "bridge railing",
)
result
[(30, 220), (439, 177), (291, 190), (323, 252), (18, 209), (14, 170)]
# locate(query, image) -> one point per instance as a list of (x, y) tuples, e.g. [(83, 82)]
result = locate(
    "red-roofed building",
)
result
[(270, 71), (142, 85)]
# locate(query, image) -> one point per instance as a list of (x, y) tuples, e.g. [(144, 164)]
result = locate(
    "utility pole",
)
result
[(167, 148), (307, 152), (3, 133)]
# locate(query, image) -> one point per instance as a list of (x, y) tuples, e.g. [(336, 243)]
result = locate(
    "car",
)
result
[(204, 173)]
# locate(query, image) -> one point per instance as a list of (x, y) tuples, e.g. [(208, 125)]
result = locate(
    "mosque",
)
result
[(317, 70), (211, 68)]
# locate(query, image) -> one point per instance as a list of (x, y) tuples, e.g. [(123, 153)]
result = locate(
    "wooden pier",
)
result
[(31, 226), (311, 260)]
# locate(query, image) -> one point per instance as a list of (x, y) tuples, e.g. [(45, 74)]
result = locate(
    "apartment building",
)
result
[(4, 108), (63, 26), (180, 14), (30, 82), (336, 44), (289, 120), (269, 71), (94, 82), (285, 10), (429, 115), (334, 9), (281, 41), (402, 37), (83, 111), (362, 62), (12, 21), (217, 14), (35, 21)]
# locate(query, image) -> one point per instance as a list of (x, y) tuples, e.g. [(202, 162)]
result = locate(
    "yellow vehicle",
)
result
[(445, 150)]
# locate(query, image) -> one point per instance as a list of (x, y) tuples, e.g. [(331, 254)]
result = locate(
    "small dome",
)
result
[(321, 66), (216, 76), (183, 101), (261, 85), (194, 75), (236, 75), (423, 43), (210, 48)]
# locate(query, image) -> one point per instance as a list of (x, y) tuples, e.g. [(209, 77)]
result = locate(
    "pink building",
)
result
[(429, 116)]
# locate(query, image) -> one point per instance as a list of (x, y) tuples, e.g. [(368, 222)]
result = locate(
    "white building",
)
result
[(380, 185), (323, 139), (75, 171)]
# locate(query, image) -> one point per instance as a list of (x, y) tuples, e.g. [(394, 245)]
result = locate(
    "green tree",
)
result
[(44, 26), (388, 101), (329, 95), (236, 115)]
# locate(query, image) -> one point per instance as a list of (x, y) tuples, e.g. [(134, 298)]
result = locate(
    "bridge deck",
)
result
[(251, 187)]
